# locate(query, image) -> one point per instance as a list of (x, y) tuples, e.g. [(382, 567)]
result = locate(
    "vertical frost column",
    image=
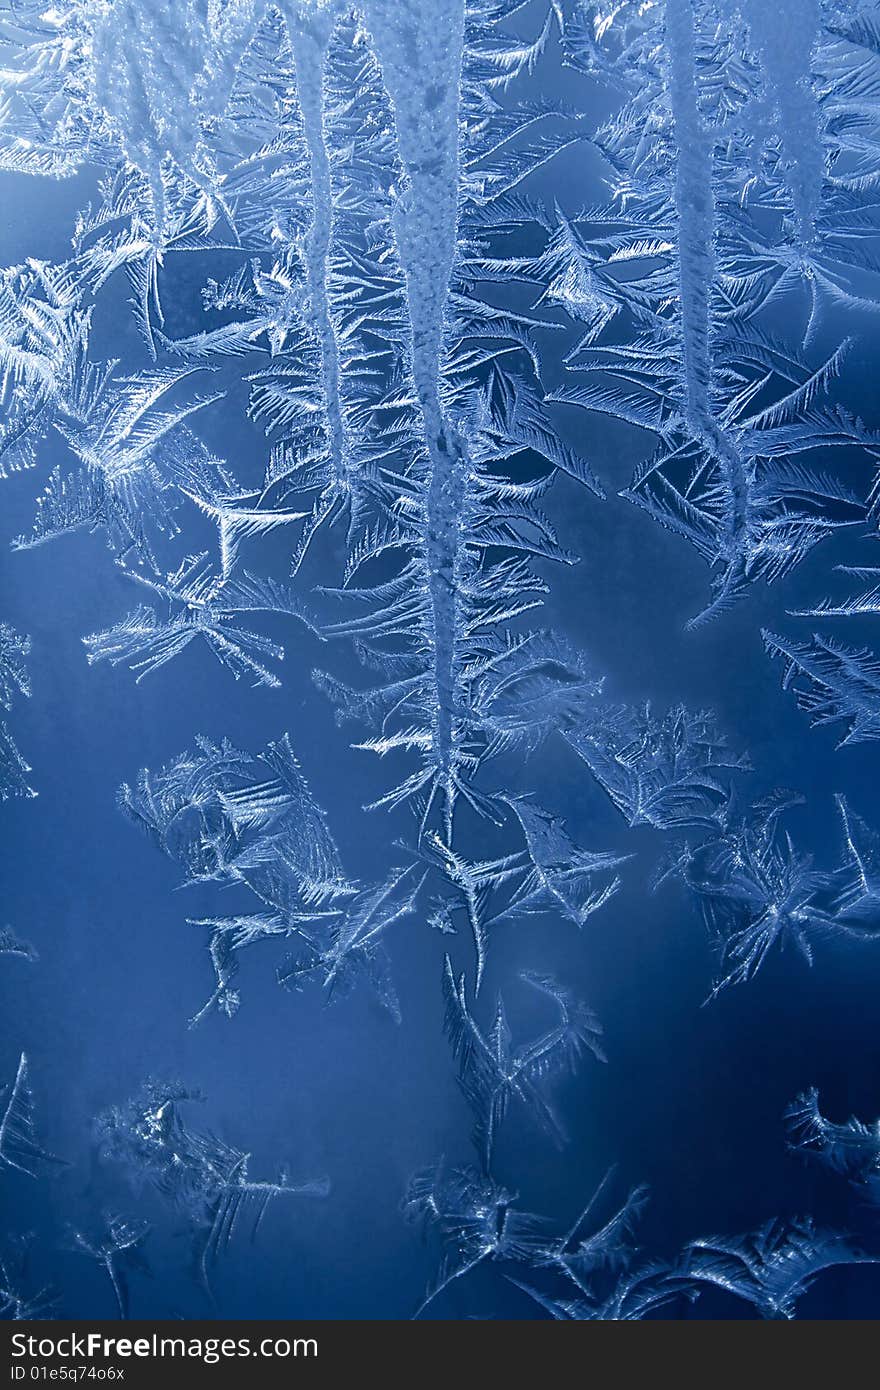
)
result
[(695, 212), (310, 26), (419, 44), (160, 69), (695, 209), (784, 32)]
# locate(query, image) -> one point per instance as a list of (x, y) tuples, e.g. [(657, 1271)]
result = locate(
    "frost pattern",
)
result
[(740, 198), (206, 1179), (116, 1248), (14, 680), (772, 1268), (19, 1146), (21, 1299), (12, 945), (493, 1072), (851, 1148), (384, 256)]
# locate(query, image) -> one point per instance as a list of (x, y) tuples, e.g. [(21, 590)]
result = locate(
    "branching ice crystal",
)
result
[(19, 1146), (205, 1179)]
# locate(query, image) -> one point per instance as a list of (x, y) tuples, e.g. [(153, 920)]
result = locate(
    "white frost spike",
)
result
[(237, 523), (493, 1072), (19, 1148), (14, 680)]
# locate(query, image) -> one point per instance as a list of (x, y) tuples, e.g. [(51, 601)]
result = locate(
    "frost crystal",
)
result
[(207, 1180)]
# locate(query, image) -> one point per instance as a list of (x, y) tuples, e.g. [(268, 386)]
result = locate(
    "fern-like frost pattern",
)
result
[(331, 373)]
